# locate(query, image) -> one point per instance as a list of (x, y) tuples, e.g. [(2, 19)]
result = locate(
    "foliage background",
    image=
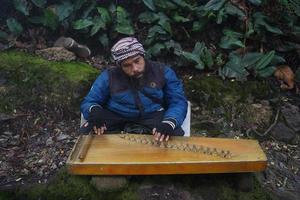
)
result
[(238, 39)]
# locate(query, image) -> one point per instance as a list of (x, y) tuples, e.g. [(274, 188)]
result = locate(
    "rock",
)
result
[(49, 141), (3, 140), (56, 54), (103, 183), (7, 133), (162, 192), (283, 133), (291, 115), (62, 137)]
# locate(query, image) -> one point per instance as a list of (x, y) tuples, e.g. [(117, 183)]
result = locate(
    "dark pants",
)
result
[(115, 122)]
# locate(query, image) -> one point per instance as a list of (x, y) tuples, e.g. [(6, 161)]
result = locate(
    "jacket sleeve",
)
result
[(97, 95), (174, 97)]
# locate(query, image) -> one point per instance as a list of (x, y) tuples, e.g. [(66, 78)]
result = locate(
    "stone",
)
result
[(8, 133), (283, 133), (291, 115), (49, 141), (62, 137), (104, 183), (56, 54)]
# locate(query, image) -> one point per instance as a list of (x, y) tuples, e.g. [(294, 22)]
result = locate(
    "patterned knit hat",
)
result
[(125, 48)]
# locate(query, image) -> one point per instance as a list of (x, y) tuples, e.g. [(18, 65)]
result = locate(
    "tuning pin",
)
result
[(195, 148)]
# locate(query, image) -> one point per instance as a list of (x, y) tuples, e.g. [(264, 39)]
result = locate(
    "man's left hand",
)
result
[(164, 130)]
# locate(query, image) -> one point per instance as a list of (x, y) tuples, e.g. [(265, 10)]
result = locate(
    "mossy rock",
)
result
[(30, 82), (213, 92)]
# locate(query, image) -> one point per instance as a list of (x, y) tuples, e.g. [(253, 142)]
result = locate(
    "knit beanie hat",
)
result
[(125, 48)]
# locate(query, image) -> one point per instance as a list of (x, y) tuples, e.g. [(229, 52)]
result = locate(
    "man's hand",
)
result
[(164, 130), (97, 120)]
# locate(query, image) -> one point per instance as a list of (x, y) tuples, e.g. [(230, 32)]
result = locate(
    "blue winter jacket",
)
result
[(158, 89)]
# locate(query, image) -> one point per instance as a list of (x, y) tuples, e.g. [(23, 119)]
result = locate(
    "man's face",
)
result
[(134, 66)]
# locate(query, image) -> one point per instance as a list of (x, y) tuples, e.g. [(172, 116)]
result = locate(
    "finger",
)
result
[(162, 137), (102, 130), (167, 138), (95, 129), (157, 136), (153, 131), (98, 131)]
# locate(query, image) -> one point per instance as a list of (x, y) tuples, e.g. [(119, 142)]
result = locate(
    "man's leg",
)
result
[(113, 121), (154, 119)]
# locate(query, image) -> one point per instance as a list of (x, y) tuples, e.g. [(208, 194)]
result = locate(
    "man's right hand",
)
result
[(97, 120)]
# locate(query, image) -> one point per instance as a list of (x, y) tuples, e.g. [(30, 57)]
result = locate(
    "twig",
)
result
[(268, 130), (4, 149)]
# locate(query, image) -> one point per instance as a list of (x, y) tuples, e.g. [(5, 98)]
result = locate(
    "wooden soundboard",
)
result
[(131, 154)]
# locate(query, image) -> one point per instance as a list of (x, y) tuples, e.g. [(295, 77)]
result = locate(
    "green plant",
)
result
[(181, 30), (240, 66)]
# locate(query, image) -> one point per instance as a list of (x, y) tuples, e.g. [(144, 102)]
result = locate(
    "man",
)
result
[(136, 91)]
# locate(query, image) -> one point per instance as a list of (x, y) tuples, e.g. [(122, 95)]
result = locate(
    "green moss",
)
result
[(6, 196), (32, 82), (66, 186), (213, 92)]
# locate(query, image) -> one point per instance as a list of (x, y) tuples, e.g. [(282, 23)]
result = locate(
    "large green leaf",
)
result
[(150, 4), (183, 4), (266, 72), (255, 2), (200, 56), (98, 24), (123, 22), (166, 5), (193, 58), (265, 60), (250, 59), (179, 18), (155, 49), (22, 6), (221, 16), (39, 3), (234, 68), (171, 45), (82, 23), (231, 40), (235, 11), (214, 5), (148, 17), (155, 30), (230, 43), (207, 58), (64, 10), (14, 26), (164, 22), (262, 21), (104, 13)]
